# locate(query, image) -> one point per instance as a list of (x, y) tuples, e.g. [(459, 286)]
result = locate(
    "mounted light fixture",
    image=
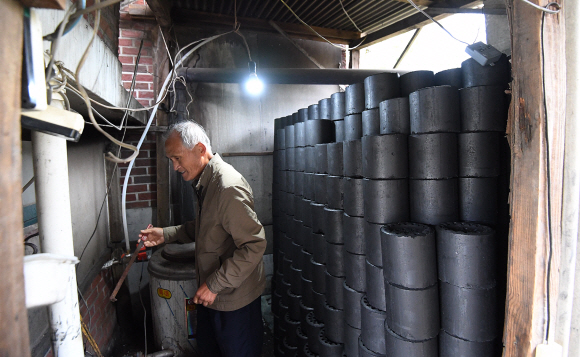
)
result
[(254, 85)]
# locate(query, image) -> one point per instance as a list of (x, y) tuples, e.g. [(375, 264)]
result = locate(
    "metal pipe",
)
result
[(406, 50), (282, 75), (55, 228), (568, 315)]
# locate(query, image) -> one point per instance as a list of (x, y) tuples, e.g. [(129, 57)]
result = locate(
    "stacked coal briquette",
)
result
[(467, 251), (354, 276)]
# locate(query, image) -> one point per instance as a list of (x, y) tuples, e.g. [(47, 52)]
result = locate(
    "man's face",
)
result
[(188, 162)]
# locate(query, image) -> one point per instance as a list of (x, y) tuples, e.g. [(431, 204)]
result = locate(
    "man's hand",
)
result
[(152, 236), (204, 296)]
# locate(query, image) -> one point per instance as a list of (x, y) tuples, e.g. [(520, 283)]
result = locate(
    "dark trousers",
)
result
[(236, 333)]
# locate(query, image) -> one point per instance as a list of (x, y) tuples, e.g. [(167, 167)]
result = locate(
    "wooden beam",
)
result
[(13, 316), (406, 50), (190, 17), (415, 21), (162, 10), (530, 243)]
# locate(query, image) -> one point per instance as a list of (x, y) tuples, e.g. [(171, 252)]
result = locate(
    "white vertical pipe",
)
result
[(55, 228), (568, 314)]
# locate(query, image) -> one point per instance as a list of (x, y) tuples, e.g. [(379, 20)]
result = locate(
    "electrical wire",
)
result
[(110, 156), (70, 24), (152, 115), (54, 48), (346, 13), (545, 9), (319, 35), (435, 21), (28, 184), (548, 170), (132, 88)]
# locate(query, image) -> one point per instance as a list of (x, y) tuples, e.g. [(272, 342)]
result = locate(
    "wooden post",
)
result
[(13, 316), (530, 244)]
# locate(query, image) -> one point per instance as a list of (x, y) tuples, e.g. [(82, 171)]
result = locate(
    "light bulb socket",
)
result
[(252, 67)]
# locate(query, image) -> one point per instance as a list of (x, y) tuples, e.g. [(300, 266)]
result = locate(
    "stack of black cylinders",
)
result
[(467, 268), (385, 192), (433, 162), (412, 294)]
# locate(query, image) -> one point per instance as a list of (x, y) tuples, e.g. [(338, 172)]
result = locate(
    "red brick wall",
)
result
[(100, 316), (131, 33), (142, 187)]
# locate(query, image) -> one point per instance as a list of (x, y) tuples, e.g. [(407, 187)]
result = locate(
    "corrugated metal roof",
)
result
[(369, 15)]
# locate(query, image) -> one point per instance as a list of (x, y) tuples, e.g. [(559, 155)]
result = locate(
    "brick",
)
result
[(127, 60), (145, 179), (145, 162), (145, 94), (122, 181), (137, 188), (144, 78), (138, 204), (148, 146), (146, 60), (153, 187), (134, 171), (143, 69), (143, 85), (127, 77), (145, 102), (127, 85), (129, 51), (146, 196), (125, 42), (131, 33), (131, 197)]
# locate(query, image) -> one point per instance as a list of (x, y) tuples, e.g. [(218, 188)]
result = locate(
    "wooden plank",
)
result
[(162, 10), (14, 340), (412, 22), (529, 239), (45, 4), (185, 17)]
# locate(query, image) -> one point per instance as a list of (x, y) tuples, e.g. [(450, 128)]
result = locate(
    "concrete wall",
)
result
[(238, 122)]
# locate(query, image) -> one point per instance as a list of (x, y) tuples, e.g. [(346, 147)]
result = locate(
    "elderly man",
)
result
[(230, 243)]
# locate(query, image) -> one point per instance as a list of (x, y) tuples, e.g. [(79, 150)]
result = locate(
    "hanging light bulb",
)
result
[(254, 85)]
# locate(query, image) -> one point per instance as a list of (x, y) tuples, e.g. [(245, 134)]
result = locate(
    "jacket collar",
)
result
[(206, 174)]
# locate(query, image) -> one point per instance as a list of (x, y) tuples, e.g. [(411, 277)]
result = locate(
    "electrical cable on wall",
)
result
[(548, 169), (110, 156)]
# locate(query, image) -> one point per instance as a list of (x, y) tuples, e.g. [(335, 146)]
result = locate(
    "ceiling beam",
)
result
[(190, 17), (162, 10), (412, 22)]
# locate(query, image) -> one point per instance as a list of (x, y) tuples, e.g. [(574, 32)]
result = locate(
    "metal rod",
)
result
[(113, 296), (282, 75), (407, 47), (273, 24)]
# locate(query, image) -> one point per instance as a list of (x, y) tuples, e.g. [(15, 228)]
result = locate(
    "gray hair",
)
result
[(191, 133)]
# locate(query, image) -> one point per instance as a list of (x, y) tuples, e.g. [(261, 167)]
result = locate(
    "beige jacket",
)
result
[(229, 239)]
